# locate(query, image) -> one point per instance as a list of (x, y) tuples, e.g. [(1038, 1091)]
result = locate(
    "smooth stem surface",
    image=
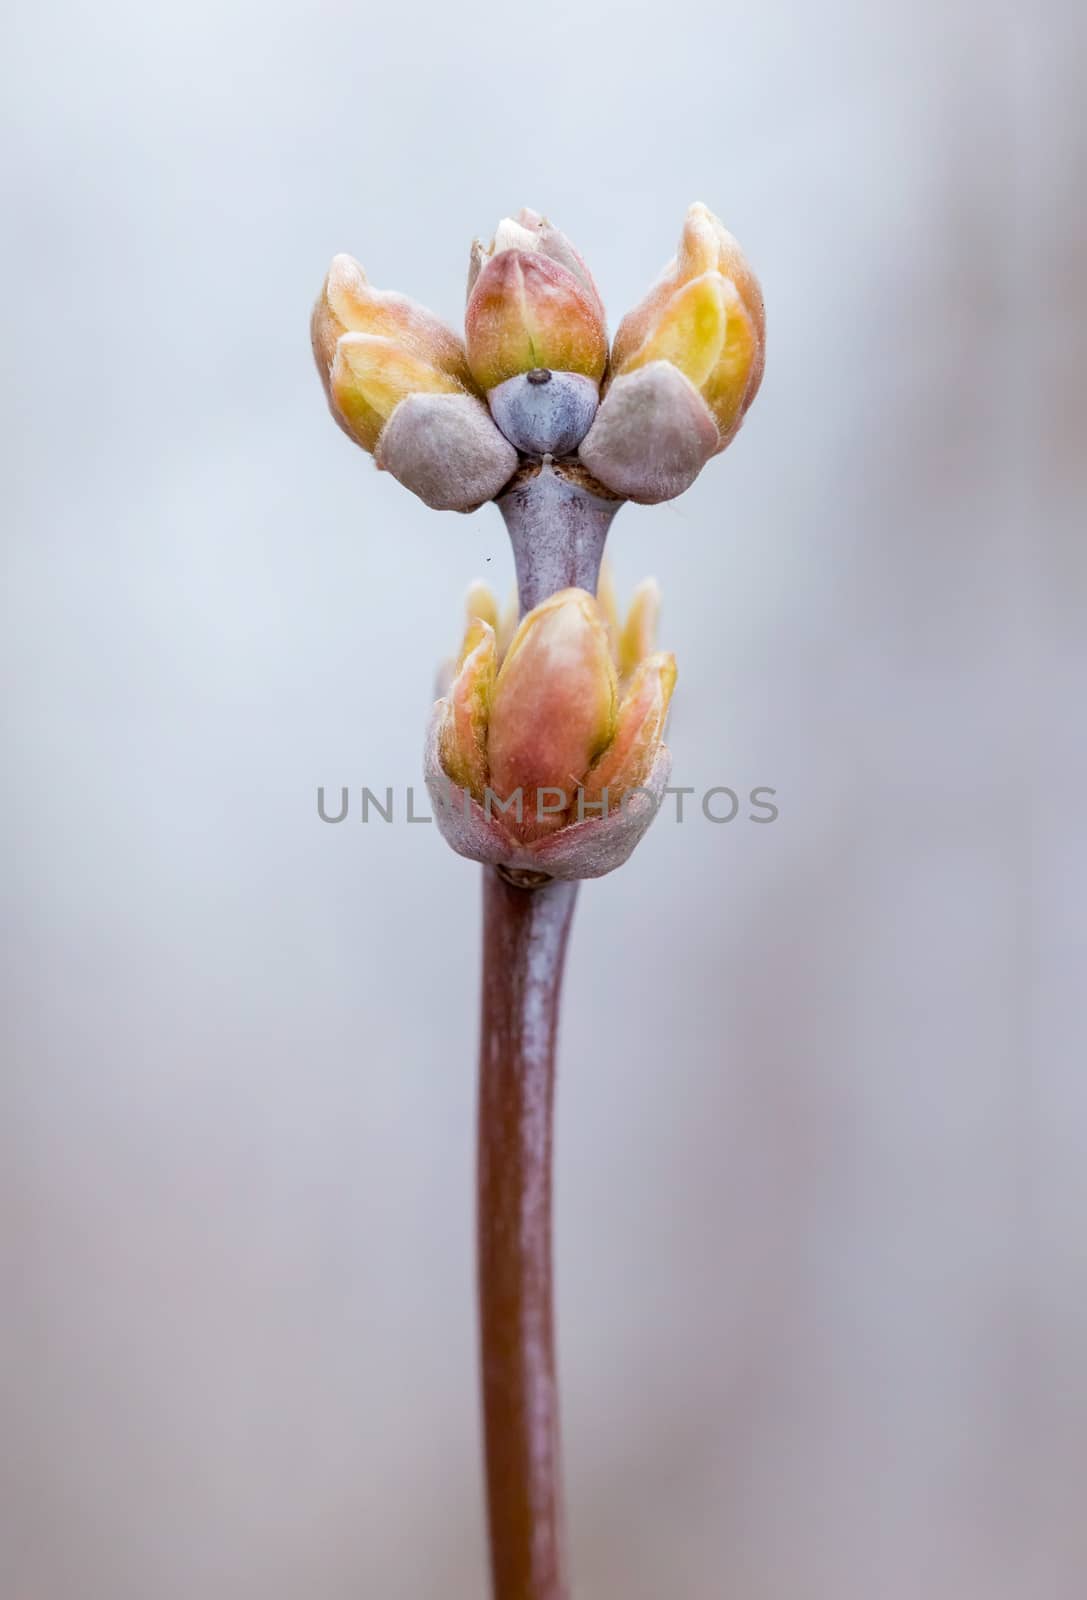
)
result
[(524, 945), (557, 528)]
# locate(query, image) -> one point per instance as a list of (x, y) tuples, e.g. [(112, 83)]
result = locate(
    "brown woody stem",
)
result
[(524, 944)]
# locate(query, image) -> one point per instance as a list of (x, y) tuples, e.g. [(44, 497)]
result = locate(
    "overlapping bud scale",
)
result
[(532, 305), (685, 366), (549, 743), (398, 383)]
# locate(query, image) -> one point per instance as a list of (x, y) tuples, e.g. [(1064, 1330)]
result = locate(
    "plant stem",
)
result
[(524, 944), (558, 519)]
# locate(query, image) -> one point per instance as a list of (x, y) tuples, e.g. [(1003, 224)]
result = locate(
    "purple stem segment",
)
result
[(557, 527), (524, 944)]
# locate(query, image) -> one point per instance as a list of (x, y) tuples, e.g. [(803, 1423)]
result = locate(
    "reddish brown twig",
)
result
[(524, 943)]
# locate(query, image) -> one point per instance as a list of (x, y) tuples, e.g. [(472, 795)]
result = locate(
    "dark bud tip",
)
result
[(544, 413)]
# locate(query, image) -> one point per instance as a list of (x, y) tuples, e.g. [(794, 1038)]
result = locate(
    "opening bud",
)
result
[(686, 364), (547, 753), (705, 314), (532, 304)]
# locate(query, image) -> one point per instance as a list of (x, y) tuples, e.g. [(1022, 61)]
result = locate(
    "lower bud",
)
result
[(595, 842), (652, 435), (446, 449), (544, 412)]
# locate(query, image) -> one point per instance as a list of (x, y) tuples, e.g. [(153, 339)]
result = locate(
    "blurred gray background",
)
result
[(821, 1207)]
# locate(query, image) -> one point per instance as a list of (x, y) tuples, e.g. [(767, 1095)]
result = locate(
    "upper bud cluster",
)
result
[(554, 746), (685, 366)]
